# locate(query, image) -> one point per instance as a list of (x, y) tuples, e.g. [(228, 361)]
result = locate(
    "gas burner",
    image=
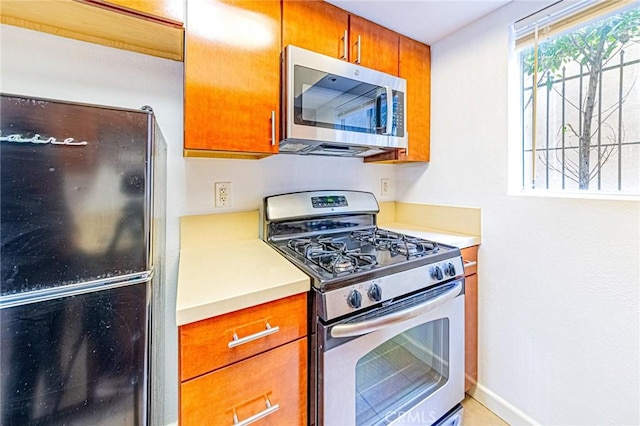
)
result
[(405, 248), (299, 245), (333, 262), (322, 246), (332, 244), (333, 257), (342, 264)]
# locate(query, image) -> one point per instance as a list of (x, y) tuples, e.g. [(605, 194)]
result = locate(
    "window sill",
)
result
[(581, 195)]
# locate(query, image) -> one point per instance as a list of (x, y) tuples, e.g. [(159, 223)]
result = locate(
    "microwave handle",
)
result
[(367, 326), (389, 127)]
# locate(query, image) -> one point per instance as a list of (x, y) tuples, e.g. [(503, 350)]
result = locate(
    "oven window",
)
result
[(401, 372)]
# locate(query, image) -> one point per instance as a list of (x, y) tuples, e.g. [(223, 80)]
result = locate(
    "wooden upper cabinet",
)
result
[(315, 25), (415, 67), (319, 26), (232, 78), (169, 11), (372, 45), (99, 22)]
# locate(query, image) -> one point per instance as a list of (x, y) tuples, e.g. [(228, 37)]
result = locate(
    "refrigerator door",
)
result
[(74, 196), (78, 360)]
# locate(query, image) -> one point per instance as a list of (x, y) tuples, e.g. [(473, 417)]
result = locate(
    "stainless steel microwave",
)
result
[(333, 107)]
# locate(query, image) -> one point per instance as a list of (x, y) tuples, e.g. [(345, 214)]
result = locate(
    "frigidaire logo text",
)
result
[(37, 139)]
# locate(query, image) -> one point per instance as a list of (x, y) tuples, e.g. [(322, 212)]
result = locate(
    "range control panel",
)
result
[(355, 297), (329, 201)]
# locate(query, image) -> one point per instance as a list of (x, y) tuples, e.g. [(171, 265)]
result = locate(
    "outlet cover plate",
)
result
[(223, 194)]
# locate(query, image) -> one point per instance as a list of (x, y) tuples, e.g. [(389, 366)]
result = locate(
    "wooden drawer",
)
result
[(279, 375), (204, 345), (470, 258)]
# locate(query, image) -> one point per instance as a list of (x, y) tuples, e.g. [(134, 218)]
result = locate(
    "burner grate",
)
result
[(396, 243), (332, 255)]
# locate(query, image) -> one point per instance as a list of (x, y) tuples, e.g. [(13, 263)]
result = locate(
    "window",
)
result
[(580, 97)]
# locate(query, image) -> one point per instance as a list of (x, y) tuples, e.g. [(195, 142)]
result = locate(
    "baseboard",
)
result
[(500, 407)]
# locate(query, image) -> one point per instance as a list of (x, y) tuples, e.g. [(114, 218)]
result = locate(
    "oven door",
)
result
[(401, 365)]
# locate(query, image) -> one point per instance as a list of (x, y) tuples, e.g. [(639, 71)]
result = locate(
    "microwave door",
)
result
[(330, 101)]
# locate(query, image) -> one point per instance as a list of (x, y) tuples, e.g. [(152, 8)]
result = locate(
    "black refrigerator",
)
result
[(80, 244)]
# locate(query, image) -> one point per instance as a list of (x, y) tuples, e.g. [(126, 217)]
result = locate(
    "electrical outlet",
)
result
[(223, 194), (385, 187)]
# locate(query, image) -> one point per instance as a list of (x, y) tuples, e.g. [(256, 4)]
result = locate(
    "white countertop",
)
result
[(229, 276), (225, 267), (438, 235)]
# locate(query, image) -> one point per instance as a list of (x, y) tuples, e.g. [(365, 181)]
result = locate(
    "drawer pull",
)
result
[(241, 341), (264, 413), (470, 263)]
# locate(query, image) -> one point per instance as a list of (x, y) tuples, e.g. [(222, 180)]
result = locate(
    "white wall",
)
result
[(39, 64), (559, 279)]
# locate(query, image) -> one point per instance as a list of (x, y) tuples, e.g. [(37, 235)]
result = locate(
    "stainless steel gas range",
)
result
[(387, 312)]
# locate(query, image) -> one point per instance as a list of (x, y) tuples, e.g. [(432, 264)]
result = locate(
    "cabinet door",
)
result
[(232, 78), (415, 67), (373, 46), (170, 11), (204, 345), (278, 376), (315, 25)]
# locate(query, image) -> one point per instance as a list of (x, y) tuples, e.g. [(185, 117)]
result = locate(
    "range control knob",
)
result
[(450, 269), (375, 293), (354, 299), (436, 273)]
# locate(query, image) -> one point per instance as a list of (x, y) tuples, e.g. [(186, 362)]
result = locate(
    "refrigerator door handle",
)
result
[(19, 299)]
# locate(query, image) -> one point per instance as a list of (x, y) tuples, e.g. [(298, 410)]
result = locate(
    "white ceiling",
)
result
[(424, 20)]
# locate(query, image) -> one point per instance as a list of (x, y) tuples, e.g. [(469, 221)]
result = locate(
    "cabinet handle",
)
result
[(241, 341), (345, 45), (273, 127), (469, 263), (359, 51), (264, 413)]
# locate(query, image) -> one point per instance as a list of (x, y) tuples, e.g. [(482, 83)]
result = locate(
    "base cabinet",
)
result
[(245, 365), (470, 258)]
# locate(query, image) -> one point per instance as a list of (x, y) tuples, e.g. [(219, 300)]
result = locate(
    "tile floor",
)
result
[(476, 414)]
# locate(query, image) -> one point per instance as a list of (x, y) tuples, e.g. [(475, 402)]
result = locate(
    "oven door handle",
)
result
[(367, 326)]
